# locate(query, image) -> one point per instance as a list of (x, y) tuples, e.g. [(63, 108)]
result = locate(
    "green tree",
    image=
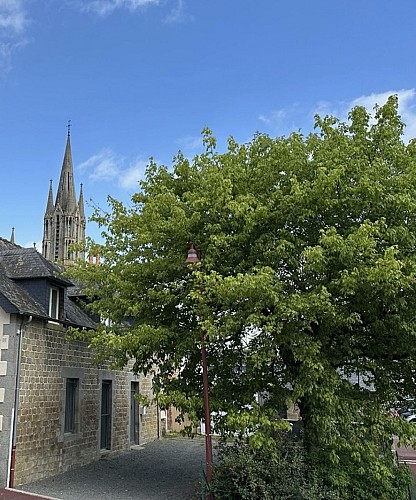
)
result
[(307, 283)]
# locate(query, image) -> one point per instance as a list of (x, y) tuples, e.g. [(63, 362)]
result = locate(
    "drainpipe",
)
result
[(158, 417), (16, 401)]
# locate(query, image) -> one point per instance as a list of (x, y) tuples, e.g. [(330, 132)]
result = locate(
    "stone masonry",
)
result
[(42, 448), (8, 346)]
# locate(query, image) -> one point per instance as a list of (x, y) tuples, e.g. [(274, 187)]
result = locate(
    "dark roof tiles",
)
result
[(6, 244), (17, 265), (16, 299), (76, 316), (28, 263)]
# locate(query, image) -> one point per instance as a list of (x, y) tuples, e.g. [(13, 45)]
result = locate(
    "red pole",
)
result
[(194, 258), (12, 464), (207, 414)]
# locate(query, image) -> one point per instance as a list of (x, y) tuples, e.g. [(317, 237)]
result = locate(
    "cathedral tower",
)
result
[(64, 220)]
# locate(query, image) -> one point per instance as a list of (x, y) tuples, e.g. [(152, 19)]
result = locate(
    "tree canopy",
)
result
[(306, 290)]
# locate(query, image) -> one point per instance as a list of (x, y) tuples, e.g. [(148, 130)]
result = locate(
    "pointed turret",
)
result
[(81, 204), (12, 236), (81, 220), (49, 205)]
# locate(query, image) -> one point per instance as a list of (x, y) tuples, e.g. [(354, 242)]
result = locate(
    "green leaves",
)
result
[(307, 283)]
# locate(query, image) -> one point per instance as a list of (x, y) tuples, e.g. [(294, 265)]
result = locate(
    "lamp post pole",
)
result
[(193, 257), (207, 413)]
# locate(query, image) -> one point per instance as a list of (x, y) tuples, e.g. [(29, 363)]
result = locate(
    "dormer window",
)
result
[(54, 303)]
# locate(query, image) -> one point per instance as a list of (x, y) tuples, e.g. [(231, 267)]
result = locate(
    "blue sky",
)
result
[(142, 78)]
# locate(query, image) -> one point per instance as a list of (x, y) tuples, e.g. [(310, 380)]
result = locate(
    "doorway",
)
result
[(134, 415), (105, 439)]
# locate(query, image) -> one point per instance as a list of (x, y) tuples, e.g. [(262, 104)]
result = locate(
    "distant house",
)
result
[(58, 409)]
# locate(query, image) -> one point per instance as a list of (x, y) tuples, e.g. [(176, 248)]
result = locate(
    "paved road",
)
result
[(168, 469)]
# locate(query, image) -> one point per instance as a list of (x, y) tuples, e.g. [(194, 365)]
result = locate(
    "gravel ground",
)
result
[(168, 469)]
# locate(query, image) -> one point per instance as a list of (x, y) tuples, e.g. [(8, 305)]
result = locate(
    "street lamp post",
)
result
[(193, 258)]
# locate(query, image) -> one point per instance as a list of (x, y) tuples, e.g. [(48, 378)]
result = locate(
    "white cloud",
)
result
[(103, 166), (369, 101), (105, 7), (13, 23), (107, 166), (130, 177), (177, 14), (190, 142), (323, 108), (285, 120), (407, 107), (13, 17), (274, 117)]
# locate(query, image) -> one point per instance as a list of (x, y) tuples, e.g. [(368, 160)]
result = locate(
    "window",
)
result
[(71, 405), (54, 303)]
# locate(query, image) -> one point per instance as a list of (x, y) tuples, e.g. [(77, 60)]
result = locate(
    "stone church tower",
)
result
[(64, 220)]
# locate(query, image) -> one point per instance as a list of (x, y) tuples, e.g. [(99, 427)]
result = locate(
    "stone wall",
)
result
[(43, 449), (149, 416), (8, 353)]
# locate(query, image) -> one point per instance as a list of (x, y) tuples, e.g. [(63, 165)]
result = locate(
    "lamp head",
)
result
[(193, 256)]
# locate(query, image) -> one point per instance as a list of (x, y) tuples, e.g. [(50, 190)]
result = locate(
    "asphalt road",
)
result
[(168, 469)]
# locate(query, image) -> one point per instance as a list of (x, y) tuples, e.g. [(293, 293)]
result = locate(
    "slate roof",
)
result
[(77, 317), (16, 264), (28, 263), (15, 299), (77, 290), (6, 244)]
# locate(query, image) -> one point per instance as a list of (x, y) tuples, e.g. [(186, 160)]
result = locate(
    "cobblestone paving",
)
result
[(168, 469)]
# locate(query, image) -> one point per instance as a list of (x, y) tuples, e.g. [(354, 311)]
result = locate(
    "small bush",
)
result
[(280, 472)]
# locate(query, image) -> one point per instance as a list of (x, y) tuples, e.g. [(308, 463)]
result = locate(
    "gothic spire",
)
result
[(49, 205), (64, 221), (65, 196), (81, 204)]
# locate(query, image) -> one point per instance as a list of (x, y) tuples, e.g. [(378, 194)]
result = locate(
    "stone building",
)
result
[(58, 409)]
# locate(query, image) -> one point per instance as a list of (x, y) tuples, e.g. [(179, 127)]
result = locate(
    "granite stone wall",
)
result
[(43, 449), (8, 353)]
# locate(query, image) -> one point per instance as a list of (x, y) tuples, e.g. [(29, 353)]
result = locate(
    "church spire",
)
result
[(64, 221), (65, 196), (12, 236)]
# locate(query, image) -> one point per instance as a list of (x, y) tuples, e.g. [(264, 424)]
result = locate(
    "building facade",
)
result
[(58, 408)]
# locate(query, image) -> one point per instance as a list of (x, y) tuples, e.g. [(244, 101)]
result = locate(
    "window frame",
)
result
[(54, 308), (56, 305), (71, 409)]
